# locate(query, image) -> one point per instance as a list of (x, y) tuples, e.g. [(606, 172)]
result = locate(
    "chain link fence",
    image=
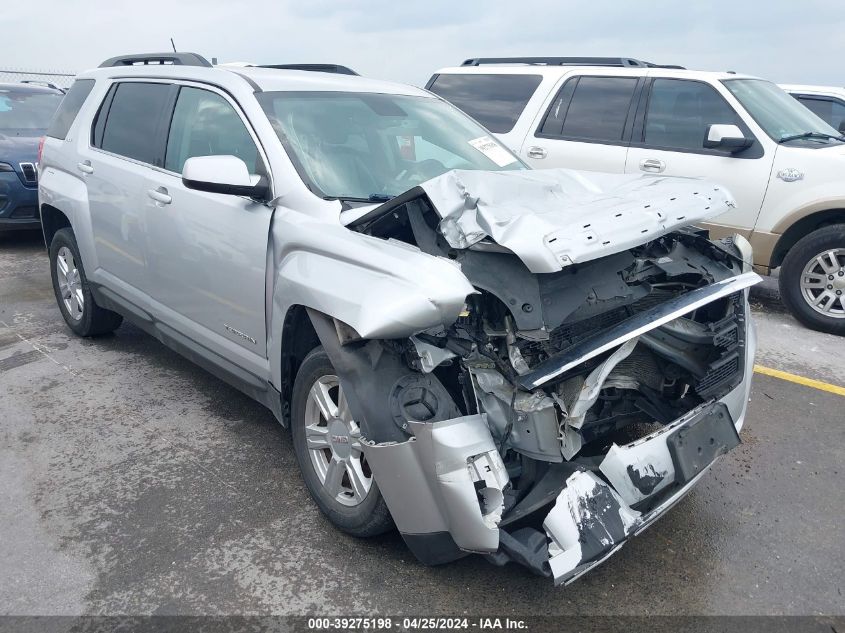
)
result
[(55, 78)]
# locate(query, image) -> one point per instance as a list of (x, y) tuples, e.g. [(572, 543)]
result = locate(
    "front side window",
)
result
[(597, 110), (25, 110), (679, 112), (831, 111), (495, 101), (368, 146), (205, 124), (780, 116), (132, 123)]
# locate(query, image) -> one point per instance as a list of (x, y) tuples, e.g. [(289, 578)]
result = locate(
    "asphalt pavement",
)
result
[(135, 483)]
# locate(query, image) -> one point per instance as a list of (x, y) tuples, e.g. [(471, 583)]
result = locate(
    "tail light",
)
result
[(40, 149)]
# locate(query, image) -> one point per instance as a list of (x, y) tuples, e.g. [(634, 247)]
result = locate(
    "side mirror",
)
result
[(222, 174), (729, 137), (841, 128)]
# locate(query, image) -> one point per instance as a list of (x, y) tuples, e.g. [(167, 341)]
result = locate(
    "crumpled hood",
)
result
[(553, 218)]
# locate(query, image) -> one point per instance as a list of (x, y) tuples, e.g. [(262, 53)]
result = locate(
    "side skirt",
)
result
[(244, 381)]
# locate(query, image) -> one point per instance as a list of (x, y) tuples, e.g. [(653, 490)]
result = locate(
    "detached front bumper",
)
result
[(591, 519), (446, 484)]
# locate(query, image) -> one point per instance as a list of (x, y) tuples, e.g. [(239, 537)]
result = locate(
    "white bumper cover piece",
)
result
[(591, 519), (553, 218)]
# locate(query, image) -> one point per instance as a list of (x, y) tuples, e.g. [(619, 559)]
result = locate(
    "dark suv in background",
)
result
[(25, 113)]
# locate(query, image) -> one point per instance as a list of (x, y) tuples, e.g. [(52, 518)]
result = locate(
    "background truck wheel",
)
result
[(73, 294), (327, 443), (812, 280)]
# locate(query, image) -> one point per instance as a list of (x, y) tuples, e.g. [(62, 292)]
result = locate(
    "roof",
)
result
[(559, 71), (266, 79)]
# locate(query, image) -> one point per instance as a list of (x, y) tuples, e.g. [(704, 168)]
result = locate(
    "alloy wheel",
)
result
[(823, 283), (333, 440), (70, 283)]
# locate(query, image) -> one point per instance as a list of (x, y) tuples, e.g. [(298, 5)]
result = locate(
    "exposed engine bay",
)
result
[(593, 393)]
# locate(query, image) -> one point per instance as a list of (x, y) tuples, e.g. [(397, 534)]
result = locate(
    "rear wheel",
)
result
[(73, 294), (327, 443), (812, 280)]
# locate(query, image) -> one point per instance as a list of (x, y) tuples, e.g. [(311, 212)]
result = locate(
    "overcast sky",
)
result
[(786, 41)]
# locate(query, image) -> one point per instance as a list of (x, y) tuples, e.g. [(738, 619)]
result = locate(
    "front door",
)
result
[(207, 252), (669, 141)]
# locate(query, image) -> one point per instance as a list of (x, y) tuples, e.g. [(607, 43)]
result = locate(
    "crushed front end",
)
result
[(577, 396)]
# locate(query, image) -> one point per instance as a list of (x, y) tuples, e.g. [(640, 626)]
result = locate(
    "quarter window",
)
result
[(132, 120), (69, 108), (495, 101), (597, 110), (205, 124), (679, 112), (830, 111)]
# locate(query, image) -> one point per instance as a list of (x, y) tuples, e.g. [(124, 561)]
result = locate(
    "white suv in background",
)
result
[(827, 102), (783, 164)]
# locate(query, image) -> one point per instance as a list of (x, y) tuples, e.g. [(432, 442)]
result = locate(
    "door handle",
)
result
[(160, 195), (653, 165), (85, 167), (536, 152)]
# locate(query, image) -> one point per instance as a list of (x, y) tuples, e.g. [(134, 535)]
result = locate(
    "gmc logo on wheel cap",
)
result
[(340, 439)]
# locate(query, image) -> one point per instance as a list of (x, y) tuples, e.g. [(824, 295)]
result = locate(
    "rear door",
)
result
[(586, 125), (126, 144), (668, 139), (207, 252)]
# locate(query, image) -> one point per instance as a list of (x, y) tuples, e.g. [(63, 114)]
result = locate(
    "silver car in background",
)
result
[(528, 365)]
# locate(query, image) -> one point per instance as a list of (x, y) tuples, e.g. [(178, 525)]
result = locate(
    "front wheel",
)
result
[(812, 280), (327, 444)]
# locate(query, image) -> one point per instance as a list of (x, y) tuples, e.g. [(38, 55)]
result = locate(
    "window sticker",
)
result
[(492, 150)]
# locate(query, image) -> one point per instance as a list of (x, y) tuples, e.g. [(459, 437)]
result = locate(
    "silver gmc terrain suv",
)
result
[(532, 365)]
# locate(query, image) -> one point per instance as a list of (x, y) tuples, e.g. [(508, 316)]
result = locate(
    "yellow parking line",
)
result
[(800, 380)]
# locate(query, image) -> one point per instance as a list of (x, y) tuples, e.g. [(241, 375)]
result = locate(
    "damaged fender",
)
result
[(379, 288)]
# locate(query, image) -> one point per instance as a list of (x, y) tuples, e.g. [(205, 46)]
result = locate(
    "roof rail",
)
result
[(146, 59), (46, 84), (320, 68), (623, 62)]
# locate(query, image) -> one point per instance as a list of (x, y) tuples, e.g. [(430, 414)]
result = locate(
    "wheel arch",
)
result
[(298, 338), (803, 227), (52, 220)]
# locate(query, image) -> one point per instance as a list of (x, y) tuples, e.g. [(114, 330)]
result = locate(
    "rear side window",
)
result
[(495, 101), (69, 108), (831, 111), (679, 111), (132, 120), (205, 124), (591, 109)]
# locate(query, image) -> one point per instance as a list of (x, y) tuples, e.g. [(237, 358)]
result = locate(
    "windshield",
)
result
[(375, 146), (24, 110), (778, 113)]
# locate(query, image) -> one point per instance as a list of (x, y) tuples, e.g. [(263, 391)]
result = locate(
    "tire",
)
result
[(361, 515), (814, 268), (70, 284)]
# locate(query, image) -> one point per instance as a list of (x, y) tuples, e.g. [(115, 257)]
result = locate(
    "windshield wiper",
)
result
[(793, 137), (373, 197)]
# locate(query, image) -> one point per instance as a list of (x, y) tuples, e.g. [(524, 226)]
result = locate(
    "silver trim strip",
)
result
[(634, 326)]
